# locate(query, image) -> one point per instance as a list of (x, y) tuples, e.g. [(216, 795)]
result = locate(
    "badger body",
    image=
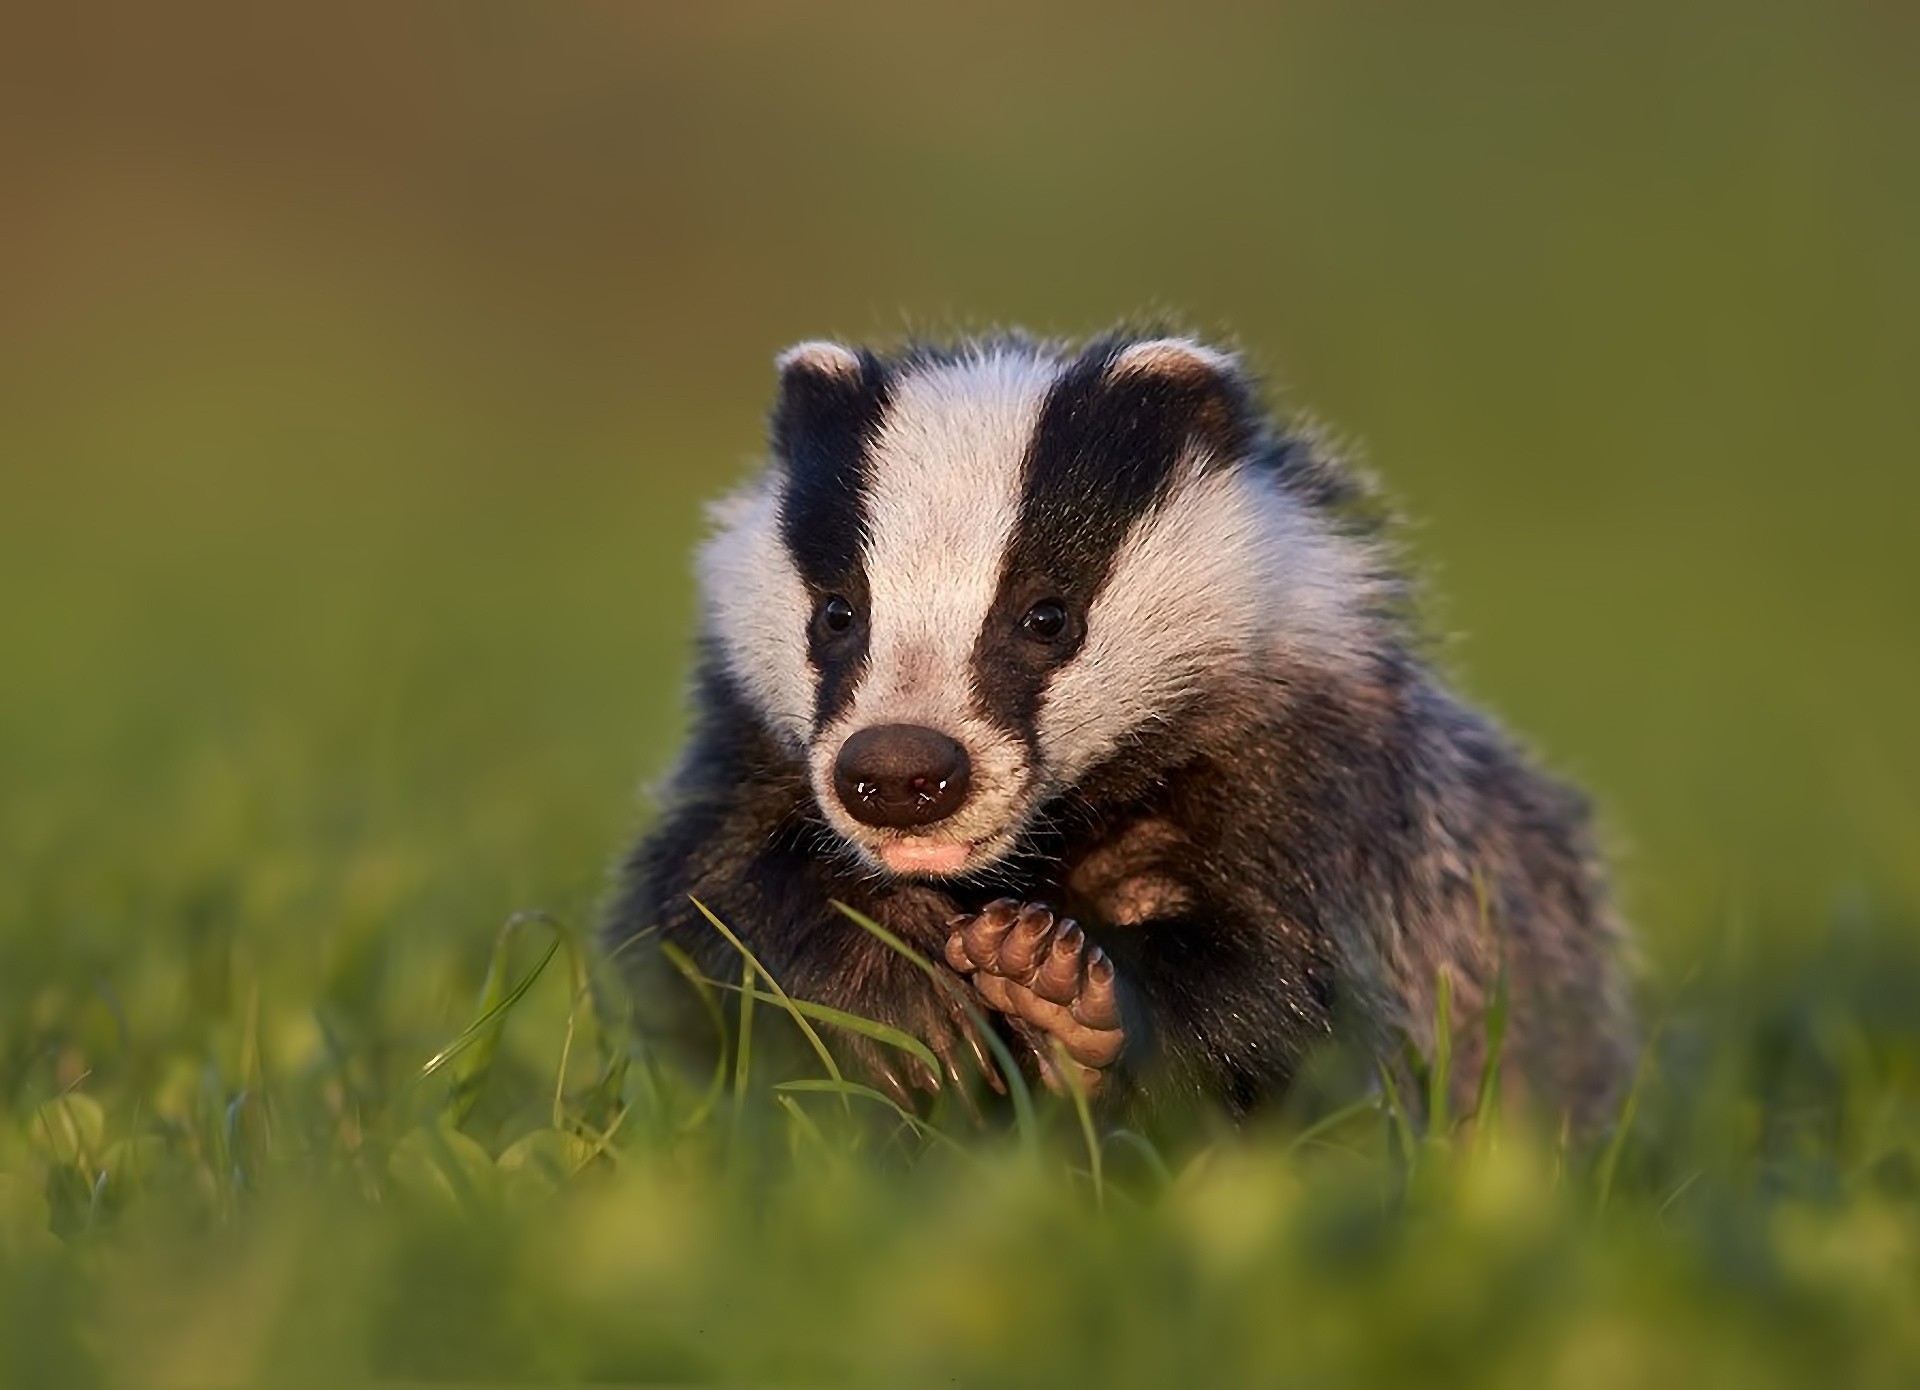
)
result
[(1083, 677)]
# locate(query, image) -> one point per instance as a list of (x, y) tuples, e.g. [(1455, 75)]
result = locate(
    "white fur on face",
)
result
[(758, 609), (948, 471), (1226, 573)]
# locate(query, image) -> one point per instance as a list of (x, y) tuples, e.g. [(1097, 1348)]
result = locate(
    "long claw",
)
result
[(963, 1021), (951, 1061), (924, 1076), (896, 1090)]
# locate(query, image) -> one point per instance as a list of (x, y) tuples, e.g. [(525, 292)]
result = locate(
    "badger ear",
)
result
[(819, 359), (1172, 359), (1191, 384), (830, 400)]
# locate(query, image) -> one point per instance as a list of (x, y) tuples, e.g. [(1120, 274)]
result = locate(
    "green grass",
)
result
[(535, 1201), (361, 376), (301, 1080)]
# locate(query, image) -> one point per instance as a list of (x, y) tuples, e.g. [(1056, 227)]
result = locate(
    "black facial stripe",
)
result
[(840, 669), (823, 428), (1103, 455)]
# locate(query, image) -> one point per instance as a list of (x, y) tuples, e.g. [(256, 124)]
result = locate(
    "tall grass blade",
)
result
[(1017, 1089), (1486, 1109), (1144, 1147), (786, 1001), (1400, 1123), (803, 1127), (474, 1048), (852, 1023), (703, 987), (1333, 1120), (743, 1056), (1617, 1141), (822, 1086), (1493, 1030), (1440, 1070), (1069, 1072)]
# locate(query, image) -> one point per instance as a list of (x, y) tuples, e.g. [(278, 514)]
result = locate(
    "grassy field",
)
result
[(360, 385)]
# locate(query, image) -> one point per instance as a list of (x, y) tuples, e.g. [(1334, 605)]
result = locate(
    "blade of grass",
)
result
[(1017, 1089), (1333, 1120), (490, 1016), (822, 1086), (1439, 1072), (803, 1126), (786, 1001), (600, 1142), (743, 1057), (1069, 1071), (1418, 1076), (1400, 1123), (1617, 1141), (1141, 1145), (1660, 1212), (853, 1023), (477, 1043), (560, 1074), (1487, 1105), (703, 987), (604, 1097)]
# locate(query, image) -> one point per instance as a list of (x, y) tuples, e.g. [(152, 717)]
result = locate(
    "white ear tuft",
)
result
[(1179, 358), (820, 358)]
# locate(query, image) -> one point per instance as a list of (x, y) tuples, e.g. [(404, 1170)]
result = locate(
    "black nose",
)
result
[(900, 775)]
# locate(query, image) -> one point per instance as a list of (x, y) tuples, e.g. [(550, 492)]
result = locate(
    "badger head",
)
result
[(969, 579)]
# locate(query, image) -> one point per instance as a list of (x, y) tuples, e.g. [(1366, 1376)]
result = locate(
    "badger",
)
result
[(1101, 689)]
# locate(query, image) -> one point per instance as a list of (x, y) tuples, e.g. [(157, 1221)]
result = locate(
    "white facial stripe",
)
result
[(759, 608), (947, 472), (1228, 568)]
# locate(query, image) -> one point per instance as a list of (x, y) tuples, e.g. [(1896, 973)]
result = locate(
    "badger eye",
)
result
[(1045, 621), (834, 616)]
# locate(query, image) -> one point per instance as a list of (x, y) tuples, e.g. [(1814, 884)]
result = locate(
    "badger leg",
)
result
[(1052, 983)]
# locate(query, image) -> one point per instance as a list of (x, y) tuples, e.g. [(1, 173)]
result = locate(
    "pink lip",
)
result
[(919, 856)]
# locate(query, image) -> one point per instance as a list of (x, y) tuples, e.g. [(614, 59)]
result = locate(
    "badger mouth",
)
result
[(920, 803), (923, 855), (942, 853)]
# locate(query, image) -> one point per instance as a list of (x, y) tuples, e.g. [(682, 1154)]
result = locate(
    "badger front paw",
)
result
[(1048, 979)]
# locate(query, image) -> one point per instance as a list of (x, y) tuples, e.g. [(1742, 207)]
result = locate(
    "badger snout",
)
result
[(901, 776)]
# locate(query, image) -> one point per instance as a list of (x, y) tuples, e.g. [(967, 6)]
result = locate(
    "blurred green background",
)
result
[(363, 370)]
